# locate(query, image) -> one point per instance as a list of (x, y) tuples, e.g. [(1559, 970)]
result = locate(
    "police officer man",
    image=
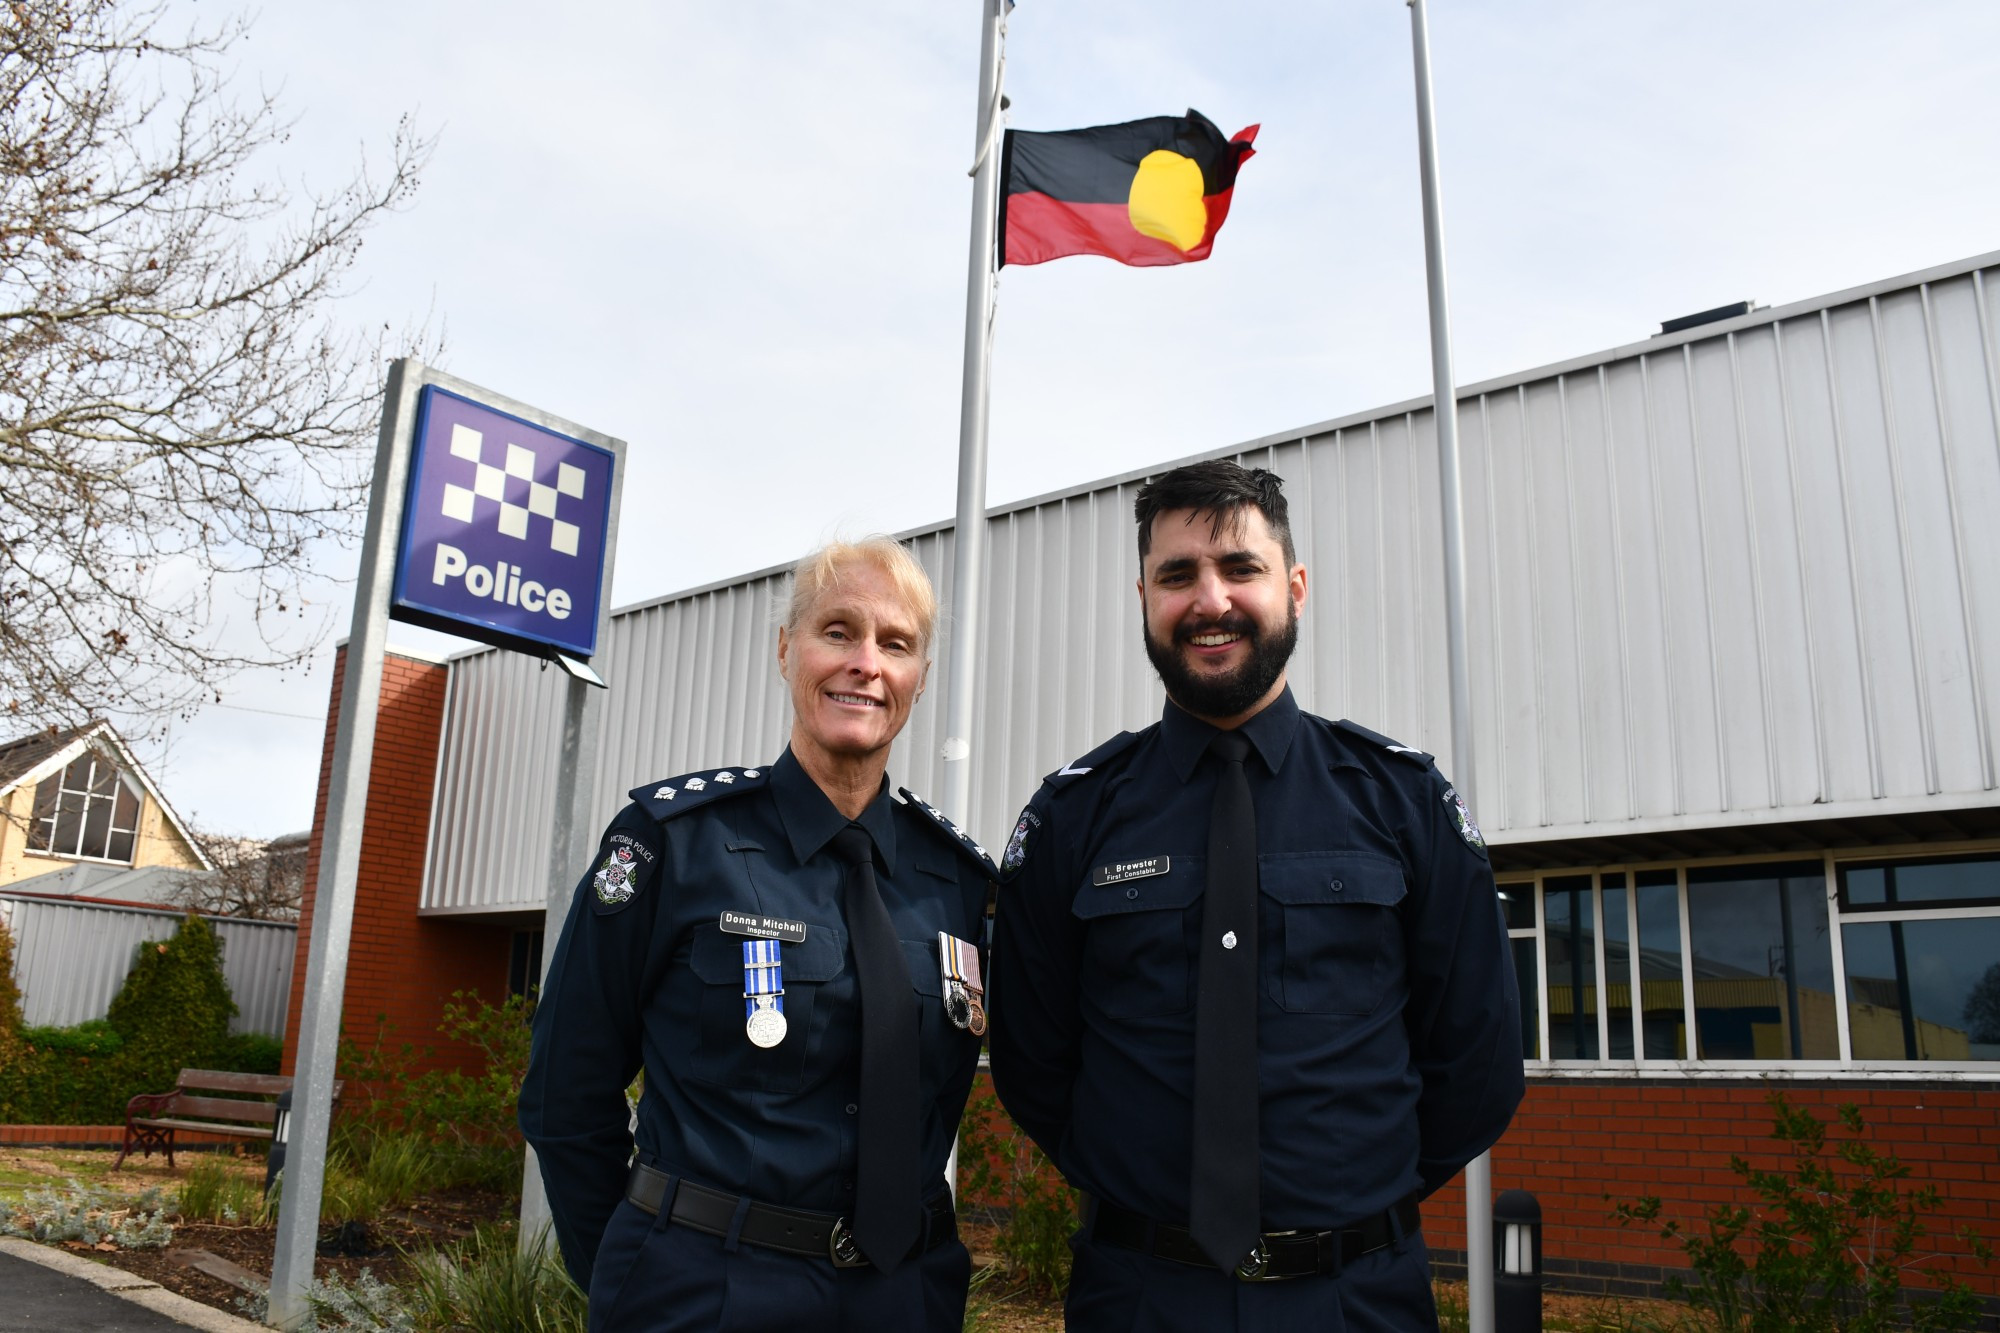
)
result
[(1251, 990), (791, 955)]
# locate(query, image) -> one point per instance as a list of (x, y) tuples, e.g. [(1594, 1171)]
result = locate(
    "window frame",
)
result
[(1834, 864), (121, 781)]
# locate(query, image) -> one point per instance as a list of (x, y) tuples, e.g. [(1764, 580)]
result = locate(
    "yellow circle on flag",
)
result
[(1166, 201)]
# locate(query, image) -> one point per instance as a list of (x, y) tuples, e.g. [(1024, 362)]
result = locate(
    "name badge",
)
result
[(1120, 871), (756, 927)]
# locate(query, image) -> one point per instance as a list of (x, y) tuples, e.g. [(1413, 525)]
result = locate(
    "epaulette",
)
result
[(1076, 768), (677, 796), (952, 831), (1409, 752)]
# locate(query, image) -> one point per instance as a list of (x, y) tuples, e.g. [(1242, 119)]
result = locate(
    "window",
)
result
[(91, 810), (1921, 940), (1832, 959)]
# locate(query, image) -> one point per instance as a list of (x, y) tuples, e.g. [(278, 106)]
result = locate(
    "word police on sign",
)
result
[(504, 533)]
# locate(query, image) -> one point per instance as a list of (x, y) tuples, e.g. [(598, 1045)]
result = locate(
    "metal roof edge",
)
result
[(1725, 819)]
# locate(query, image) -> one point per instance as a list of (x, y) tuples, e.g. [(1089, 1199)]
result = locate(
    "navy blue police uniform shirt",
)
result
[(1388, 1025), (644, 977)]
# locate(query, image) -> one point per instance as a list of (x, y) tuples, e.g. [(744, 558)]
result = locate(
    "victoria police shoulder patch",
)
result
[(1025, 828), (1455, 806), (626, 864)]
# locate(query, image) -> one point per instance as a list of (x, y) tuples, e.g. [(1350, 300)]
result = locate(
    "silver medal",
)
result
[(766, 1028)]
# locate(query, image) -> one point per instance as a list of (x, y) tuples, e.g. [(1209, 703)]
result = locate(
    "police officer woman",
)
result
[(789, 954)]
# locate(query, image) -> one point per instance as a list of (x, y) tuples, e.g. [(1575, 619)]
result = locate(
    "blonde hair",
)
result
[(822, 570)]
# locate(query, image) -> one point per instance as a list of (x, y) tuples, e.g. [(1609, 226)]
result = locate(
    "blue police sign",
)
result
[(504, 531)]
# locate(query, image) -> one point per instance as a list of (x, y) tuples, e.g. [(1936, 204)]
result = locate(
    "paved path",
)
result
[(53, 1291)]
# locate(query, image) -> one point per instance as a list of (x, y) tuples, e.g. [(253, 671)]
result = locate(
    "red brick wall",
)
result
[(400, 967), (1582, 1145)]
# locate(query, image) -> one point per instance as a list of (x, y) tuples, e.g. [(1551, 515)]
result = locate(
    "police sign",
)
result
[(504, 530)]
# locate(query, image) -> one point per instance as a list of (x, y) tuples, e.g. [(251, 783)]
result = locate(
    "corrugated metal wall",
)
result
[(1750, 571), (71, 958)]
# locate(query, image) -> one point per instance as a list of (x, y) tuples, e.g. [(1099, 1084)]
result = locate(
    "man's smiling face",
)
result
[(1221, 611)]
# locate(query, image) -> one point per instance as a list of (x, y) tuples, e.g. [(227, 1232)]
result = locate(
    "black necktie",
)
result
[(887, 1202), (1222, 1195)]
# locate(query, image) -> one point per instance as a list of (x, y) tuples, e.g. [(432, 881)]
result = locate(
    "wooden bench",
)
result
[(152, 1117)]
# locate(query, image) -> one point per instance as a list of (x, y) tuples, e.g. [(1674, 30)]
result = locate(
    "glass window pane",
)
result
[(121, 846), (96, 825), (1663, 1014), (69, 823), (1924, 990), (1572, 950), (1517, 904), (1763, 963), (44, 825), (103, 778), (1961, 879), (1531, 991), (1617, 967), (126, 820)]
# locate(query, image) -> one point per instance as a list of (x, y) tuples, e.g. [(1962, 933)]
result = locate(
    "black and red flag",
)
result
[(1147, 192)]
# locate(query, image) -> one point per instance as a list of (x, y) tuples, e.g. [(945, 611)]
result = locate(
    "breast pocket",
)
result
[(724, 1053), (1342, 939), (1136, 954)]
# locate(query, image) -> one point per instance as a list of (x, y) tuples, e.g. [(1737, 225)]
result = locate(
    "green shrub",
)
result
[(90, 1216), (1826, 1248), (251, 1053), (1002, 1167), (96, 1037)]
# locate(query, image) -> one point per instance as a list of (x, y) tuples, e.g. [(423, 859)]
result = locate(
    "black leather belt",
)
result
[(792, 1230), (1278, 1255)]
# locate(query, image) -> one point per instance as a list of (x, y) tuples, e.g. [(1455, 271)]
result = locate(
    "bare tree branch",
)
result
[(182, 420)]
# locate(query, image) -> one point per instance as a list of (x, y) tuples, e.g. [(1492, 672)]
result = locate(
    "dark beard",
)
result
[(1224, 696)]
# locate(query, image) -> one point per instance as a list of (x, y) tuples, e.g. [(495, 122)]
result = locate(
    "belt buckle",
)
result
[(1256, 1264), (841, 1246)]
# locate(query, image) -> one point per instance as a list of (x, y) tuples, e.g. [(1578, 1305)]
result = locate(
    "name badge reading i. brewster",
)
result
[(1119, 871), (763, 993), (964, 992)]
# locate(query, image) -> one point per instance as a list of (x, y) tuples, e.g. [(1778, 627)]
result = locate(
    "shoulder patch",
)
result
[(1025, 829), (1097, 758), (677, 796), (958, 835), (627, 858), (1454, 805), (1409, 752)]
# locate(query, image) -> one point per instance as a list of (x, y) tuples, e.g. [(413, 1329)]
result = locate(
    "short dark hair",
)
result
[(1218, 488)]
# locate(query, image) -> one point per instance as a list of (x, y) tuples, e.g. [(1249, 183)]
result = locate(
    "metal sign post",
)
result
[(1479, 1171), (492, 520)]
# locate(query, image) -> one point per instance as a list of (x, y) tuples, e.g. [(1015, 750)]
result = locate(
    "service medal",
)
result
[(763, 992), (964, 991)]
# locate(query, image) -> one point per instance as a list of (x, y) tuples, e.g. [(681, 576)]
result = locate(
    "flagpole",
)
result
[(1479, 1171), (969, 527)]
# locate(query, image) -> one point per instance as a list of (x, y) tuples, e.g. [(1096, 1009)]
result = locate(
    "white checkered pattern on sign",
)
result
[(490, 483)]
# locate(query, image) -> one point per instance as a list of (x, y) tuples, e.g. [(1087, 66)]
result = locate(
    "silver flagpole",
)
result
[(969, 527), (961, 670), (1478, 1172)]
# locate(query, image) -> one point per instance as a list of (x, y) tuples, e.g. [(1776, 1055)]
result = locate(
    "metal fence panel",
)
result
[(70, 959)]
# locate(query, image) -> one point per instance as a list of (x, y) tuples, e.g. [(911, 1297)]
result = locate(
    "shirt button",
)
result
[(1338, 886), (1131, 893), (851, 1108)]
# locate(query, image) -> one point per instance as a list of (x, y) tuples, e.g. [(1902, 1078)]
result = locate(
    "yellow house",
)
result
[(79, 798)]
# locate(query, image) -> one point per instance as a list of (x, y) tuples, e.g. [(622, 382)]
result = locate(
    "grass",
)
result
[(217, 1189), (492, 1284)]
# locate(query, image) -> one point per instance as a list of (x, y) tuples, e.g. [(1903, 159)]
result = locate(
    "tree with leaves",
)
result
[(182, 419)]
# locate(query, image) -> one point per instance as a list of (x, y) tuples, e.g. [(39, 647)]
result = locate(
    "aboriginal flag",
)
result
[(1147, 192)]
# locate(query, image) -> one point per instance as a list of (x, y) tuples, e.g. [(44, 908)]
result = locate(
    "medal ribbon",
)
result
[(763, 977)]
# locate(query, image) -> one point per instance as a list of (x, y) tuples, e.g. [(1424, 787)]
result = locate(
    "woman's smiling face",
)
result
[(855, 663)]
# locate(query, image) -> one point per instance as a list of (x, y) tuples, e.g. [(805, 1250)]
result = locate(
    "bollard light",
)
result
[(281, 1127), (1517, 1259)]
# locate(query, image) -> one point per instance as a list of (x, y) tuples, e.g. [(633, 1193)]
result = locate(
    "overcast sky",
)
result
[(735, 236)]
